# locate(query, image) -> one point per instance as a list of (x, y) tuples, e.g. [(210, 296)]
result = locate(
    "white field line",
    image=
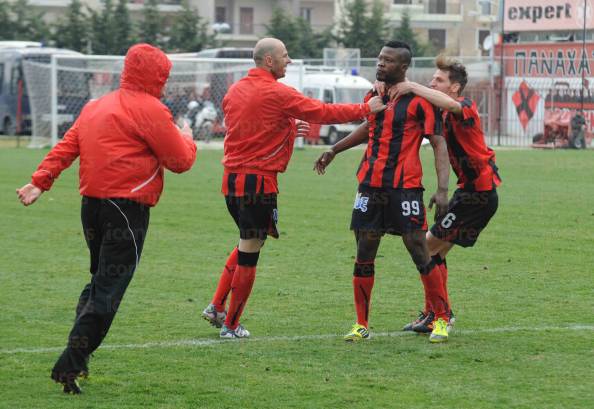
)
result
[(218, 145), (209, 342)]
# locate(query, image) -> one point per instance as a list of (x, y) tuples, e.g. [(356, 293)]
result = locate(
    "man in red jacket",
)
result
[(260, 115), (124, 140)]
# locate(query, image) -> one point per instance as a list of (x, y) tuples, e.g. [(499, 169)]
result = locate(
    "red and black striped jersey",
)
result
[(472, 160), (241, 184), (395, 136)]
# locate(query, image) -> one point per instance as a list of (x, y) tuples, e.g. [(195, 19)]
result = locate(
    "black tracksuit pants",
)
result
[(114, 230)]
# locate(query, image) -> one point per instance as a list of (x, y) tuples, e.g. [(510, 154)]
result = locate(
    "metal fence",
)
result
[(517, 108), (514, 110)]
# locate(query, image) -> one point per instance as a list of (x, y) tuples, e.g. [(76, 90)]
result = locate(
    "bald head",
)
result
[(271, 55), (266, 46)]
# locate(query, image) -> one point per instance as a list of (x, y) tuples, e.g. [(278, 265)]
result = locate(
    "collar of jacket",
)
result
[(261, 72)]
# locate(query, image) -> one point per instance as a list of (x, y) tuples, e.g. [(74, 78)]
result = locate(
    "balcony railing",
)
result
[(167, 2), (226, 28), (431, 7)]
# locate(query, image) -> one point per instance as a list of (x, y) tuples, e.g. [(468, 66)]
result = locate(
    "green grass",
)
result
[(532, 268)]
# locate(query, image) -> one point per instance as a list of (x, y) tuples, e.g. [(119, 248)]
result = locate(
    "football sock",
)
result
[(444, 277), (363, 278), (241, 286), (220, 297), (443, 268), (433, 285), (427, 307)]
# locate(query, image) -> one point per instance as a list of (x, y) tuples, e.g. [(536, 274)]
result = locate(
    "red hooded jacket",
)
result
[(125, 138)]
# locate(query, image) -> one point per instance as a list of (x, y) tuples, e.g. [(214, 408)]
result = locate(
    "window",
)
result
[(1, 77), (306, 14), (485, 7), (438, 39), (482, 34), (437, 7), (328, 98), (402, 2), (15, 77), (220, 15), (246, 20), (311, 92)]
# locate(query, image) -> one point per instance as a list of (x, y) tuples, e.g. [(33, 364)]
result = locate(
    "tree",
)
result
[(27, 24), (361, 29), (152, 25), (283, 27), (299, 38), (72, 31), (377, 29), (353, 25), (406, 34), (6, 30), (312, 44), (102, 29), (122, 26), (189, 31)]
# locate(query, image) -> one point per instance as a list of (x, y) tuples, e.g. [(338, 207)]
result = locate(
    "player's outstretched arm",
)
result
[(442, 167), (437, 98), (355, 138), (59, 158), (298, 106)]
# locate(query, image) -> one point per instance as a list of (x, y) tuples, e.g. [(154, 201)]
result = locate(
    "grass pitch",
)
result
[(523, 297)]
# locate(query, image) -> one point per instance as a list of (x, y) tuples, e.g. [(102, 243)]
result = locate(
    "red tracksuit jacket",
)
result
[(260, 117), (125, 138)]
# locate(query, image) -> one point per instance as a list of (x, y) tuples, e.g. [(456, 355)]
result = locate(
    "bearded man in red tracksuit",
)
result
[(124, 140), (260, 117)]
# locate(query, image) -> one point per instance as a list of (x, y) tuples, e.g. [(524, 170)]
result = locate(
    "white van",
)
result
[(20, 44), (330, 86)]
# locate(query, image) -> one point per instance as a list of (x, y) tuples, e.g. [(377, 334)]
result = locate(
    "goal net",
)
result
[(348, 59), (57, 91)]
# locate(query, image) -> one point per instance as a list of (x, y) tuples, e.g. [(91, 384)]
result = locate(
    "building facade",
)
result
[(458, 27)]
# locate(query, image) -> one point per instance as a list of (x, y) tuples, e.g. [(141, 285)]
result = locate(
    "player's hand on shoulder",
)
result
[(402, 88), (376, 104), (323, 161), (379, 87), (28, 194)]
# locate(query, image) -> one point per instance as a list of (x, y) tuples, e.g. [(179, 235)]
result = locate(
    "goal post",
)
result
[(59, 90)]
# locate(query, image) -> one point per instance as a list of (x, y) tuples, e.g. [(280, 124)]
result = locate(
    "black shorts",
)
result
[(388, 210), (468, 214), (256, 215)]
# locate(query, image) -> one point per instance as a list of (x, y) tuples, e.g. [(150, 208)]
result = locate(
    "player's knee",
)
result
[(434, 245), (417, 248), (250, 245), (426, 267), (367, 245), (414, 242), (366, 250)]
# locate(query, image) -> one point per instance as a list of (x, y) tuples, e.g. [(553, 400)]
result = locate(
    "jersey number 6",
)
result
[(447, 221)]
